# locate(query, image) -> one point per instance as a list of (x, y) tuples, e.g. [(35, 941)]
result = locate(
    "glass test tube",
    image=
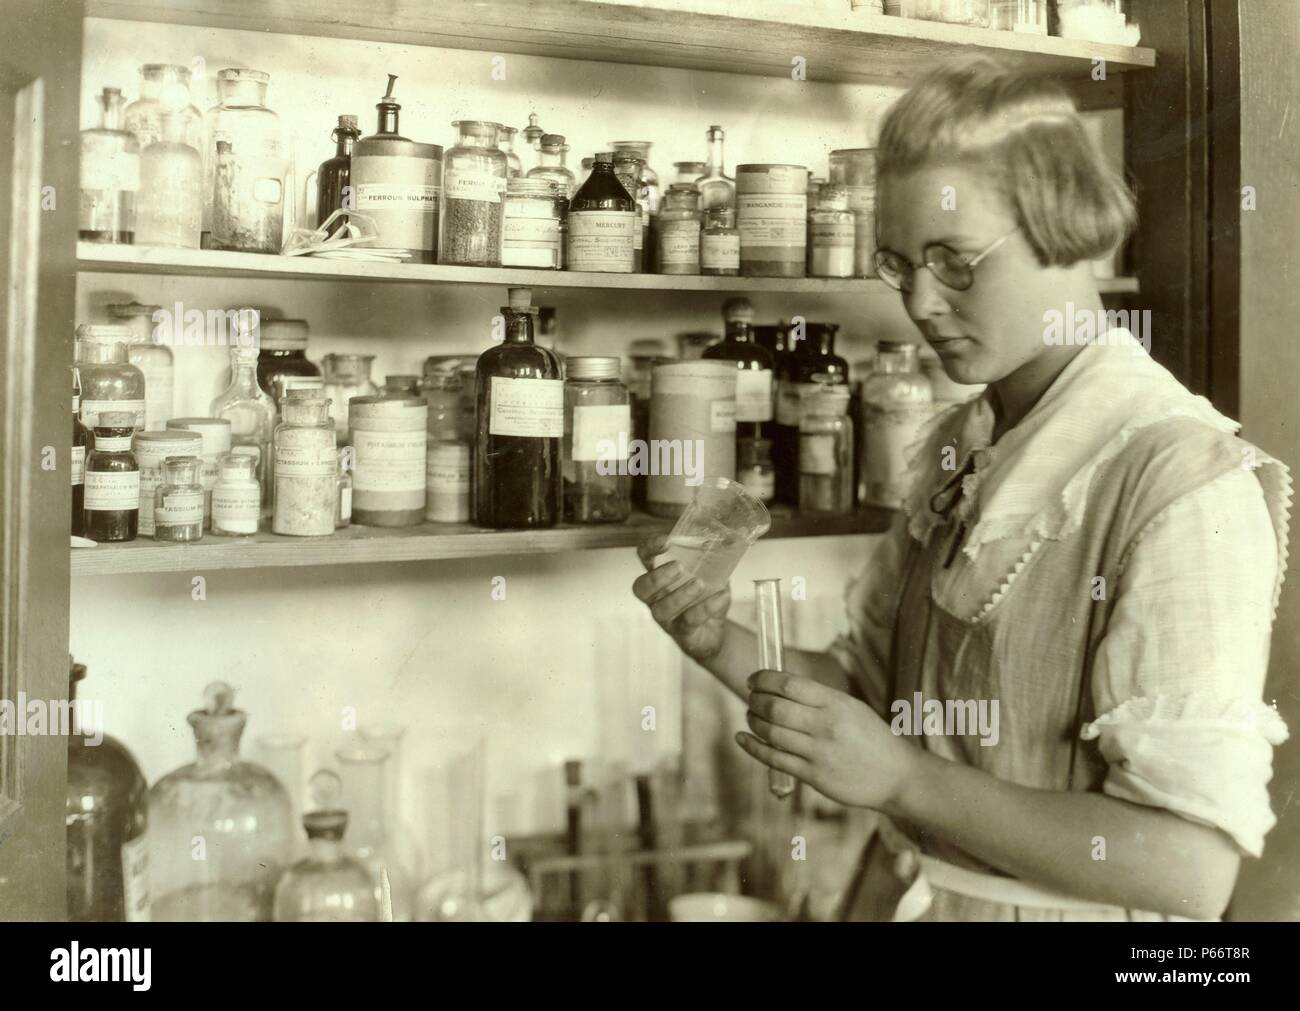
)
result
[(767, 604)]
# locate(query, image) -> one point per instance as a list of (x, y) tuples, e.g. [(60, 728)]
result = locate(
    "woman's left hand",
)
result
[(828, 739)]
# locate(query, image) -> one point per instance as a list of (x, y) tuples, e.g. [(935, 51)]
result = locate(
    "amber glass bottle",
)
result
[(335, 175), (112, 505)]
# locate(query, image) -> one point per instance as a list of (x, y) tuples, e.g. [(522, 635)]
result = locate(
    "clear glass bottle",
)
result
[(551, 164), (169, 210), (855, 170), (251, 413), (679, 230), (334, 177), (519, 409), (164, 89), (327, 885), (80, 446), (112, 502), (690, 171), (825, 451), (755, 471), (236, 497), (603, 223), (896, 401), (598, 429), (107, 819), (110, 176), (216, 443), (220, 828), (343, 513), (531, 149), (533, 227), (305, 501), (831, 230), (154, 360), (473, 190), (649, 177), (178, 501), (246, 166), (630, 169), (347, 376), (717, 189), (370, 840), (506, 143), (720, 243)]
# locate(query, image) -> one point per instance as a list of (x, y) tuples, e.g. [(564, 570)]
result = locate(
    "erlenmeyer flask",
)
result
[(363, 771)]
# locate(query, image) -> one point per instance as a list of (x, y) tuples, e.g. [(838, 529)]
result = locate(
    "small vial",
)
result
[(236, 497), (771, 656), (178, 501), (112, 502)]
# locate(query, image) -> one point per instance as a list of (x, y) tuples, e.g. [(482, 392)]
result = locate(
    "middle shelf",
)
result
[(357, 545)]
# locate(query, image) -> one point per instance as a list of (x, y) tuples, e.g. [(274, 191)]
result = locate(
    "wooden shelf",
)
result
[(107, 259), (691, 34), (362, 545)]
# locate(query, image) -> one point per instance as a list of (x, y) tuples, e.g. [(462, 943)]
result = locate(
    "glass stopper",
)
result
[(326, 788), (218, 698)]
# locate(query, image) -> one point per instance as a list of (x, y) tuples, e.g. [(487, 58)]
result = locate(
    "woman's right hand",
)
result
[(694, 617)]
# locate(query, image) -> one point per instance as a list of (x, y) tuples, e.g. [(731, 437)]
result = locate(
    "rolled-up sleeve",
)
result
[(1179, 675), (871, 602)]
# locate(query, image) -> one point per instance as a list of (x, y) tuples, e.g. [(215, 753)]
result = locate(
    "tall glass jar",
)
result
[(110, 176), (831, 234), (112, 502), (896, 401), (327, 885), (855, 170), (473, 188), (107, 819), (347, 376), (506, 144), (679, 230), (164, 90), (178, 501), (648, 195), (251, 413), (825, 451), (154, 360), (649, 177), (306, 470), (603, 223), (283, 347), (169, 211), (598, 430), (236, 497), (720, 243), (370, 840), (630, 169), (246, 166), (551, 167), (221, 830), (533, 227), (109, 382)]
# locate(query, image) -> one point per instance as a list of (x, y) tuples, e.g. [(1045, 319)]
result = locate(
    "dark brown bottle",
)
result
[(106, 818), (80, 446), (112, 505), (519, 411), (602, 223), (810, 359), (755, 378), (335, 175)]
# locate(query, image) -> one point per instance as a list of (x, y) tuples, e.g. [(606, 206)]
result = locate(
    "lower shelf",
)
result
[(358, 545)]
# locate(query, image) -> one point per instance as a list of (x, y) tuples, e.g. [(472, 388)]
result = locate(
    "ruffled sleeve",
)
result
[(1179, 675)]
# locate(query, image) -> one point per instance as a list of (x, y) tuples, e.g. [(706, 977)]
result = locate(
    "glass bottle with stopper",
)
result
[(771, 656), (327, 885), (334, 177), (717, 189), (110, 176)]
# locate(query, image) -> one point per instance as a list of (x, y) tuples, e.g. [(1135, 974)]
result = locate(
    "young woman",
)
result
[(1087, 544)]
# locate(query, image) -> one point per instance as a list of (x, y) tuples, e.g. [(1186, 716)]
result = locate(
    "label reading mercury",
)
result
[(112, 490), (754, 395), (533, 408), (602, 241)]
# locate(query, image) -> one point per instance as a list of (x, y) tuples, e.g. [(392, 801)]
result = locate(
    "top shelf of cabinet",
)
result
[(691, 34)]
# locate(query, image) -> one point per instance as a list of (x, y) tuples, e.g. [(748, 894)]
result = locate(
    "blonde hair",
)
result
[(1025, 135)]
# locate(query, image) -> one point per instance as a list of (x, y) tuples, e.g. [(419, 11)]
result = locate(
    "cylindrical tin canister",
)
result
[(692, 432), (772, 217), (388, 475), (397, 184)]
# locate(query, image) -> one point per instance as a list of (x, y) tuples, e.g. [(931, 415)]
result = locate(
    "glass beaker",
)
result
[(388, 737), (712, 535), (370, 842)]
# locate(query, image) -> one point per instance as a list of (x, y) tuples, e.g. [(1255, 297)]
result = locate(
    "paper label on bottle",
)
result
[(679, 243), (529, 240), (533, 408), (150, 479), (642, 228), (305, 461), (759, 483), (816, 454), (772, 219), (389, 461), (611, 424), (468, 184), (113, 444), (135, 879), (602, 241), (235, 508), (78, 465), (530, 229), (788, 397), (394, 196), (833, 234), (722, 416), (112, 490), (120, 171), (720, 252), (447, 474), (887, 434), (179, 508), (754, 395), (92, 409)]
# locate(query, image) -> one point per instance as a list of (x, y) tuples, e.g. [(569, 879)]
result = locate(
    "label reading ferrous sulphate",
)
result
[(533, 408), (460, 184), (388, 461), (602, 241), (594, 425), (397, 196), (772, 219), (112, 490), (754, 395)]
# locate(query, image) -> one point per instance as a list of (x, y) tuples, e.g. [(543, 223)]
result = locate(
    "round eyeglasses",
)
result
[(953, 269)]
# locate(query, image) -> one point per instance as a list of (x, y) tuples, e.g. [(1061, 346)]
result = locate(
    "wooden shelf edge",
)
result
[(428, 542)]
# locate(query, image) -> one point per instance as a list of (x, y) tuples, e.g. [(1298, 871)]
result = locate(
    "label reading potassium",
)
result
[(754, 395), (112, 490), (460, 184), (772, 219), (305, 461), (722, 416), (389, 461), (235, 508), (611, 425), (179, 509), (720, 252), (602, 241), (397, 196), (78, 465), (533, 408), (135, 879)]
